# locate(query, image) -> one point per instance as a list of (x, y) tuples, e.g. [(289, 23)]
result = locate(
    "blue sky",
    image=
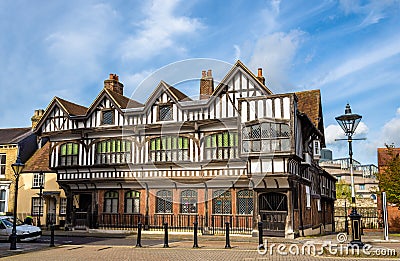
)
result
[(348, 49)]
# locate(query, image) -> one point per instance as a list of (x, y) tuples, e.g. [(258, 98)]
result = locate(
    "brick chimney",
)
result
[(36, 117), (206, 84), (113, 84), (260, 77)]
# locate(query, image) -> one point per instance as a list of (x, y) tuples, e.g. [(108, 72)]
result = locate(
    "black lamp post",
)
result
[(346, 222), (349, 122), (17, 168)]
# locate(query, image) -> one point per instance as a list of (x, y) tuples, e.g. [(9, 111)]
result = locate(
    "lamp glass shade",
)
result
[(348, 121), (17, 167)]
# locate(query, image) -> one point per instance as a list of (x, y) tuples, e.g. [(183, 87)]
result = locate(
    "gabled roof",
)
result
[(122, 101), (309, 103), (39, 162), (239, 64), (14, 135), (71, 108), (180, 96)]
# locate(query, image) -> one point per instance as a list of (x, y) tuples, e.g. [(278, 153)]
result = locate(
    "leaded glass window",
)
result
[(245, 202), (221, 146), (222, 203), (189, 201), (108, 117), (266, 137), (69, 154), (164, 201), (111, 202), (132, 202), (169, 148), (165, 112), (38, 180), (113, 151)]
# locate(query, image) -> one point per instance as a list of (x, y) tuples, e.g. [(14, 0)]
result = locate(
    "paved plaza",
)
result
[(181, 248)]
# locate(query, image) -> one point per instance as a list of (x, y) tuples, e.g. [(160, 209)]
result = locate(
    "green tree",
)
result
[(389, 177), (343, 190)]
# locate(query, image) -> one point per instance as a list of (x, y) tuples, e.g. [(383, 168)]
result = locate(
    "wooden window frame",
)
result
[(189, 204), (169, 149), (134, 199), (74, 157), (107, 111), (110, 150), (164, 105), (221, 146), (162, 201)]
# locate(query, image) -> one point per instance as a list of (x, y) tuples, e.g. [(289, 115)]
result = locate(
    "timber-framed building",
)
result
[(239, 153)]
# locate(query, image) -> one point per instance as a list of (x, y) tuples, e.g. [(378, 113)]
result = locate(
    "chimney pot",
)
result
[(113, 84), (37, 115), (206, 84), (260, 77), (260, 72)]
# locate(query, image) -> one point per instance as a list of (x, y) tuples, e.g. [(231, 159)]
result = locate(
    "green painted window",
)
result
[(169, 149), (132, 202), (113, 151), (111, 202), (221, 146), (69, 153)]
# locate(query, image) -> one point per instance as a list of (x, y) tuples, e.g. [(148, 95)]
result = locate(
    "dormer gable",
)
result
[(57, 116)]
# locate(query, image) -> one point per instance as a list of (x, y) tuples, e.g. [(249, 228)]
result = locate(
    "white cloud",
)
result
[(398, 111), (237, 52), (362, 129), (390, 132), (275, 53), (362, 60), (374, 11), (333, 132), (159, 31)]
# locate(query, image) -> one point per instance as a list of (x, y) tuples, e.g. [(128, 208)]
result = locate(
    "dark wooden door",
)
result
[(273, 211)]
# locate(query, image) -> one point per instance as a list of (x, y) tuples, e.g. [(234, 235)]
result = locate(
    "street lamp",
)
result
[(17, 168), (349, 122), (346, 222)]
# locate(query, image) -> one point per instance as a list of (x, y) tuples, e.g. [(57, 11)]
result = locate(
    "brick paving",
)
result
[(211, 248)]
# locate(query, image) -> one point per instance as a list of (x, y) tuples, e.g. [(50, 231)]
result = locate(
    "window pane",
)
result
[(63, 149), (285, 143), (108, 117)]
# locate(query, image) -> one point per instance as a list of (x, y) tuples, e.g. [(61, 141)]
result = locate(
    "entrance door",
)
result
[(51, 211), (83, 211), (273, 212)]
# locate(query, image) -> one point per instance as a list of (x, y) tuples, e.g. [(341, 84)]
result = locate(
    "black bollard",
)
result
[(52, 236), (166, 234), (139, 235), (227, 243), (195, 245), (260, 236)]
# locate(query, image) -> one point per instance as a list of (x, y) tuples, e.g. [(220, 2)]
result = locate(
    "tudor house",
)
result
[(239, 153)]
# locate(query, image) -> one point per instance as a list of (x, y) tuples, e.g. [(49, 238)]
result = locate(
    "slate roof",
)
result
[(39, 160), (72, 108), (14, 135)]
